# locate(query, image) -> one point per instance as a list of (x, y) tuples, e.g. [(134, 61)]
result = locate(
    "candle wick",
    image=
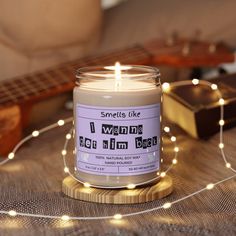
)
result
[(117, 76), (117, 71)]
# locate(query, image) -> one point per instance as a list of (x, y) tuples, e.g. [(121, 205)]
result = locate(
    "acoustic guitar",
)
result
[(18, 95)]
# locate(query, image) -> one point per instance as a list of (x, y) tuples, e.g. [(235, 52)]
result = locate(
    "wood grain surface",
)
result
[(74, 189), (10, 122)]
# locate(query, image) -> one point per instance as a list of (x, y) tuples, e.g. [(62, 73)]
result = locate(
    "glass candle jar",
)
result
[(117, 114)]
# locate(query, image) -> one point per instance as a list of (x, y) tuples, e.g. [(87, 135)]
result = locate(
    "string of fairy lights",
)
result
[(165, 87)]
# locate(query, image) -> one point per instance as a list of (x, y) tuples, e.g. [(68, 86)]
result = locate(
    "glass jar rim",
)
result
[(128, 72)]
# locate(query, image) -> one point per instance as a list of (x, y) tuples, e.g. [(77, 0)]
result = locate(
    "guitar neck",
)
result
[(40, 85), (181, 53)]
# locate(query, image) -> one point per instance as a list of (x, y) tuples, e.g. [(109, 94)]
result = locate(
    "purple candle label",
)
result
[(118, 141)]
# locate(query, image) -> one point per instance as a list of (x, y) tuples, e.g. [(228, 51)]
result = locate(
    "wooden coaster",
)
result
[(74, 189)]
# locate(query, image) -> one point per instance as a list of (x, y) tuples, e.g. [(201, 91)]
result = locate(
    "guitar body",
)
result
[(10, 129), (14, 119)]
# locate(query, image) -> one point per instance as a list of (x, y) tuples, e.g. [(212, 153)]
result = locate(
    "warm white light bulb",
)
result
[(174, 161), (214, 87), (61, 122), (68, 136), (173, 138), (11, 155), (167, 205), (66, 169), (210, 186), (65, 217), (228, 165), (87, 185), (221, 145), (176, 149), (165, 87), (195, 81), (12, 213), (35, 133), (117, 216), (221, 101), (63, 152), (167, 129), (131, 186), (221, 122), (163, 174)]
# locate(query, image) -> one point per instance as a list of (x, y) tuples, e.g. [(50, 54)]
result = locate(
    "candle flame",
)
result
[(122, 67), (117, 75), (117, 71), (117, 68)]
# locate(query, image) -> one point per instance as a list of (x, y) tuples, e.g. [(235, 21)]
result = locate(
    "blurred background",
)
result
[(35, 35)]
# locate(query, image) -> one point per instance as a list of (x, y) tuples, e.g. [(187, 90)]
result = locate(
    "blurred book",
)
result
[(196, 108)]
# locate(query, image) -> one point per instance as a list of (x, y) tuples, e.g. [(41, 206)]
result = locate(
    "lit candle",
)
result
[(117, 112)]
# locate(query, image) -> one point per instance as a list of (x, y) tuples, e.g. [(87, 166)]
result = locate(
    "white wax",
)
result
[(109, 93)]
